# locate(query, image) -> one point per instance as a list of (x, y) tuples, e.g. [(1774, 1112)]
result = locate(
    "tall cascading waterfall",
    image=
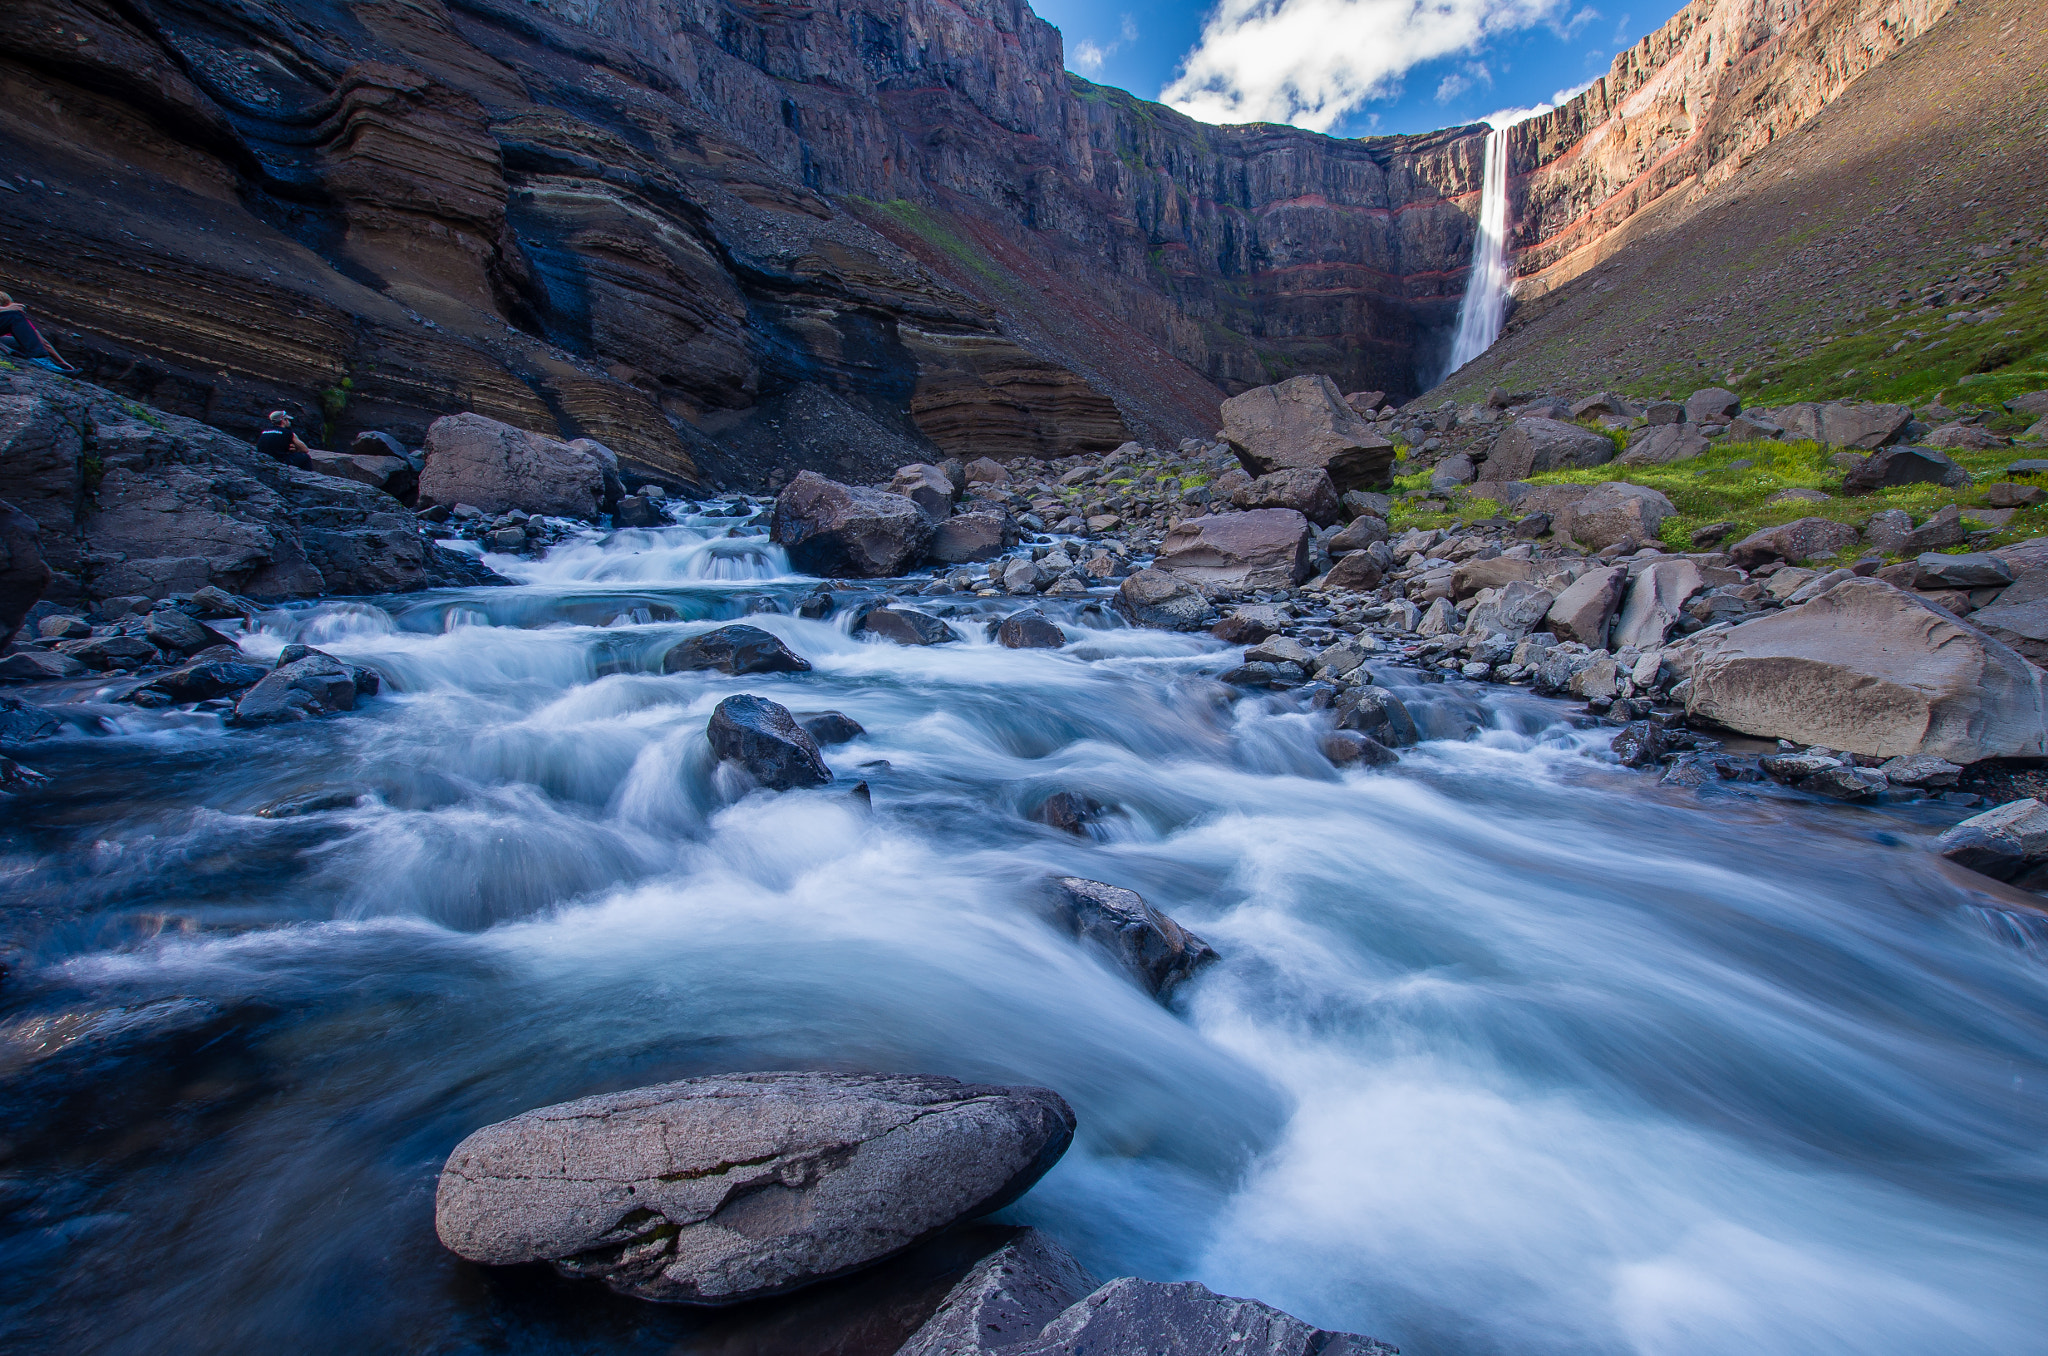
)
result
[(1486, 287)]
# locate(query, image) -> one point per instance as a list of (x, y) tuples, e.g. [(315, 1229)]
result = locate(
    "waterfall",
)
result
[(1486, 287)]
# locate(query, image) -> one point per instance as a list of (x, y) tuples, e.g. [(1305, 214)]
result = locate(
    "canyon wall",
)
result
[(720, 235)]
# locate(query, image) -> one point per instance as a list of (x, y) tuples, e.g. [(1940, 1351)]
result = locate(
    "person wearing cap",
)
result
[(19, 338), (279, 442)]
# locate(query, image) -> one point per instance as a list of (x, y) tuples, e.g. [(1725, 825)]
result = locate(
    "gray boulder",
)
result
[(636, 510), (1528, 446), (1029, 630), (1514, 610), (762, 737), (904, 626), (1031, 1298), (1976, 570), (834, 529), (1308, 492), (1260, 548), (1303, 424), (1664, 443), (1154, 597), (2019, 616), (205, 679), (1755, 427), (1585, 610), (474, 460), (1845, 423), (1712, 406), (928, 487), (978, 535), (1800, 539), (175, 633), (2009, 842), (304, 689), (1867, 668), (714, 1191), (1159, 952), (1378, 714), (1893, 466), (1362, 532), (737, 649), (1656, 600), (22, 723), (1357, 571), (1888, 531), (1611, 512), (1605, 405), (1945, 528), (34, 666)]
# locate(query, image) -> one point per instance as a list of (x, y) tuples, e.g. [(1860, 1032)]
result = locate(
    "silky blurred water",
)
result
[(1510, 1049)]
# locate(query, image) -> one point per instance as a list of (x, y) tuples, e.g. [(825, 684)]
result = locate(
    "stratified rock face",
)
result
[(178, 506), (1867, 668), (835, 529), (497, 468), (724, 1189)]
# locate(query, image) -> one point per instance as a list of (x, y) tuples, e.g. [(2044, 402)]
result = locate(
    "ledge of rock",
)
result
[(718, 1190)]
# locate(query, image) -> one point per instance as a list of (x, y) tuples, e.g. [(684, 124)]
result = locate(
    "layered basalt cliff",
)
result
[(716, 234)]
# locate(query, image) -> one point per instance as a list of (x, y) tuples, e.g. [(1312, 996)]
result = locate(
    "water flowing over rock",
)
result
[(736, 649), (1260, 548), (905, 626), (1870, 669), (834, 529), (1303, 424), (763, 738), (498, 468), (1158, 951), (719, 1190), (317, 685)]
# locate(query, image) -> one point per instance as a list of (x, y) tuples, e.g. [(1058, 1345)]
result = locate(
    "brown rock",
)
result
[(927, 487), (834, 529), (1799, 540), (1262, 548), (979, 535), (1357, 571), (1585, 610), (1308, 493), (1475, 575), (1303, 424), (1529, 446), (1612, 512), (1845, 423)]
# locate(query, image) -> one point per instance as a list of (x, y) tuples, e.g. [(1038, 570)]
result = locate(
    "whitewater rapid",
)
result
[(1509, 1050)]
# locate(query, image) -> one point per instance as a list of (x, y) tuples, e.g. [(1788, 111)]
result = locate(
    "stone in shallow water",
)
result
[(905, 626), (1030, 630), (718, 1190), (736, 650), (762, 737), (830, 727), (1158, 951)]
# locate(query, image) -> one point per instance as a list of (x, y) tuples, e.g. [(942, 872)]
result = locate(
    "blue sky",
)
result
[(1348, 67)]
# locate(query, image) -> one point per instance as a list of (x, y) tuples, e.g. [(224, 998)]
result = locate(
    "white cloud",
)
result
[(1451, 86), (1089, 55), (1310, 62)]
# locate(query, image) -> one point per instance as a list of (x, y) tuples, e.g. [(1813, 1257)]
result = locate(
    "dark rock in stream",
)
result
[(718, 1190), (1029, 630), (1346, 748), (199, 681), (23, 573), (763, 738), (312, 803), (314, 685), (21, 723), (1377, 714), (1639, 744), (737, 650), (1158, 951), (830, 727), (905, 626), (16, 778), (1033, 1298), (34, 666), (1069, 811)]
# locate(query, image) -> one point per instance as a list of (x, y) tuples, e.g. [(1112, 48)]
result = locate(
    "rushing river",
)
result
[(1510, 1050)]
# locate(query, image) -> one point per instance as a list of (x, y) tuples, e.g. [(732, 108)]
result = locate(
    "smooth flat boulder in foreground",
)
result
[(1868, 668), (1032, 1298), (724, 1189)]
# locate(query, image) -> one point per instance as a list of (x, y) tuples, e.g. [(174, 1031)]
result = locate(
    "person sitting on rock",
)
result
[(19, 338), (280, 443)]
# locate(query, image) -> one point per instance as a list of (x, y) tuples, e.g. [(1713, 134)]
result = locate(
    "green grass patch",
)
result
[(1738, 482), (944, 238)]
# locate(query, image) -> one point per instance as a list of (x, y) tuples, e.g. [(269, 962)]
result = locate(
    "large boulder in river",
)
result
[(23, 573), (474, 460), (1303, 424), (1157, 951), (737, 649), (1867, 668), (305, 688), (834, 529), (719, 1190), (764, 738), (980, 534), (1157, 598), (1258, 549), (1032, 1298), (1528, 446), (904, 626)]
